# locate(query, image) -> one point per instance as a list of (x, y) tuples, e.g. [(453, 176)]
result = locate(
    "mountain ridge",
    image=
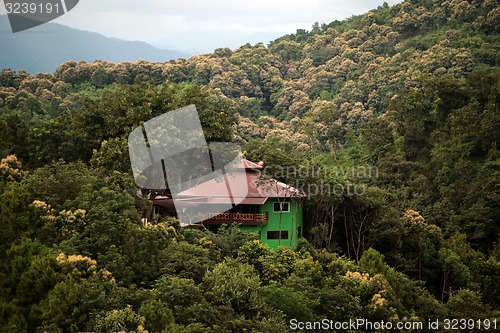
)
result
[(45, 41)]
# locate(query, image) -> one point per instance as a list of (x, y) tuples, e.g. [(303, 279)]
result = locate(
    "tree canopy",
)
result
[(388, 121)]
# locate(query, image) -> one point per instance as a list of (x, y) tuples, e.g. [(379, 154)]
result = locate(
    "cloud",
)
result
[(200, 25)]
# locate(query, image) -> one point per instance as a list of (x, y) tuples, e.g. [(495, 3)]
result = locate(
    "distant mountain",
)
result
[(44, 48)]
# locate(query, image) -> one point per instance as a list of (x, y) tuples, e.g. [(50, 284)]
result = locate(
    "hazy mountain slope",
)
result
[(44, 48)]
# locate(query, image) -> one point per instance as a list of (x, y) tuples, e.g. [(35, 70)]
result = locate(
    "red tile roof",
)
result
[(242, 186), (246, 179)]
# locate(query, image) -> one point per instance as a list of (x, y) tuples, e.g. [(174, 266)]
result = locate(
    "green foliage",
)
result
[(110, 213), (143, 251), (253, 253), (28, 273), (277, 154), (338, 303), (467, 304), (229, 239), (191, 328), (177, 292), (374, 263), (232, 283), (122, 319), (158, 317), (293, 304), (400, 103), (14, 137), (186, 260), (60, 305), (111, 156), (377, 137), (277, 265)]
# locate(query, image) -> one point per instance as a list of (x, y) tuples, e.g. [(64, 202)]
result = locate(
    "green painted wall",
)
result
[(290, 221)]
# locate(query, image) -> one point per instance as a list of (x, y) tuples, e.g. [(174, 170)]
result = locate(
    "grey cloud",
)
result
[(205, 25)]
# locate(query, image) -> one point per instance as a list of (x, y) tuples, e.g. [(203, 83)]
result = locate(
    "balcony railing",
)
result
[(230, 218)]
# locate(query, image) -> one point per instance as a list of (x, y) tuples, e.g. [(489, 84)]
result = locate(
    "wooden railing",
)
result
[(230, 218)]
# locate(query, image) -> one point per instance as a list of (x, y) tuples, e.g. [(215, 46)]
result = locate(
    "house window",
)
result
[(246, 209), (285, 207), (276, 235)]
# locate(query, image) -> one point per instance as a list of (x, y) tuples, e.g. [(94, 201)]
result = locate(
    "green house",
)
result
[(283, 227), (265, 206)]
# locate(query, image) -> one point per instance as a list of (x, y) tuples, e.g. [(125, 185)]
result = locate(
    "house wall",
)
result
[(290, 221)]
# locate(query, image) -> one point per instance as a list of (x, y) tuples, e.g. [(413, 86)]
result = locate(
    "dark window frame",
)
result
[(276, 234), (283, 205)]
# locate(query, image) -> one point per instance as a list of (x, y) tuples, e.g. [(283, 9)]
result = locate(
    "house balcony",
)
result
[(230, 218)]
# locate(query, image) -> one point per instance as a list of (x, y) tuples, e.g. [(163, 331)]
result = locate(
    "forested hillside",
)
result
[(44, 48), (388, 122)]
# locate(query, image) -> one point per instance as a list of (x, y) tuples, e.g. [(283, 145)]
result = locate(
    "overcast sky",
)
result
[(203, 25)]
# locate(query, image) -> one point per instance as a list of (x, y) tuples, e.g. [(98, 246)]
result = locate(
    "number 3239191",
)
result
[(32, 8), (469, 324)]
